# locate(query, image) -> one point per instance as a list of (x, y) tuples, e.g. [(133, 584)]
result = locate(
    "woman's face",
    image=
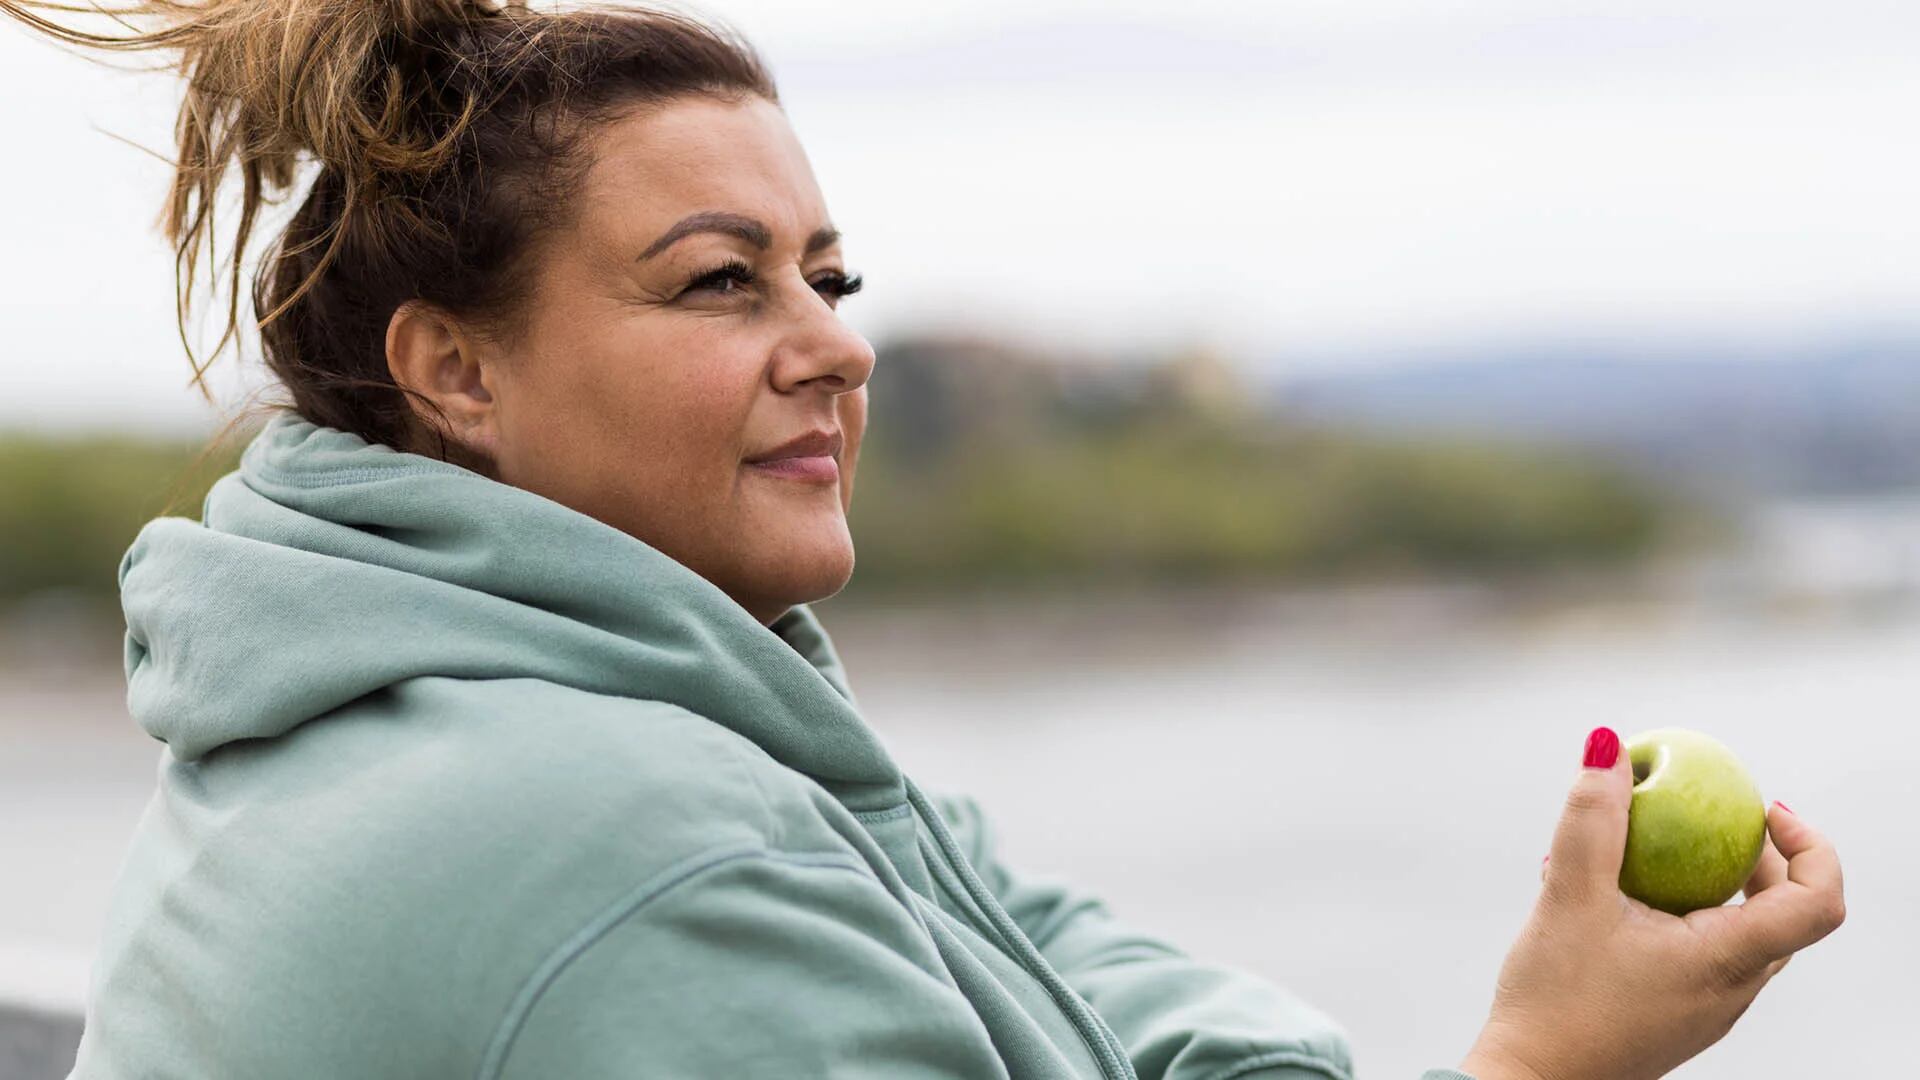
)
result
[(685, 324)]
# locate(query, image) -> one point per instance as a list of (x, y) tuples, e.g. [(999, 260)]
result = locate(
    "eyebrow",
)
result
[(729, 224)]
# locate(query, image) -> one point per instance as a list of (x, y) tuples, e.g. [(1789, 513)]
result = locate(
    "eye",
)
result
[(732, 273), (835, 285)]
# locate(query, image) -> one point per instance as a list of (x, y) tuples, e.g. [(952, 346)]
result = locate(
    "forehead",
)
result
[(655, 166)]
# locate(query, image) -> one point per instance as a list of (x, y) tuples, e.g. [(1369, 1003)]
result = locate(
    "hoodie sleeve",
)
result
[(1179, 1018), (752, 965)]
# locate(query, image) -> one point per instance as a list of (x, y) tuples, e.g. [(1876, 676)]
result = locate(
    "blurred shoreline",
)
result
[(1803, 564), (1799, 563)]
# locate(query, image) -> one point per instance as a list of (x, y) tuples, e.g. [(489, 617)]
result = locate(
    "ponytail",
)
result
[(443, 139)]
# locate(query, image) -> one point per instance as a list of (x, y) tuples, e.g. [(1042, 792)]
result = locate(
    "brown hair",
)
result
[(447, 135)]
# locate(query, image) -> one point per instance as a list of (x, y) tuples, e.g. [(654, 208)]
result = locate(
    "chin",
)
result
[(809, 573), (826, 581)]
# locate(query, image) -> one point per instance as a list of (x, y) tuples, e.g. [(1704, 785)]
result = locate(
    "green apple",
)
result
[(1697, 823)]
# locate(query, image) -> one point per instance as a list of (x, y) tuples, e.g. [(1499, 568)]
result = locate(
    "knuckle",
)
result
[(1589, 799), (1729, 970), (1833, 912), (1562, 891)]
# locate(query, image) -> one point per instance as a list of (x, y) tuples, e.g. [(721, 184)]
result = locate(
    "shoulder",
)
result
[(519, 777), (401, 866)]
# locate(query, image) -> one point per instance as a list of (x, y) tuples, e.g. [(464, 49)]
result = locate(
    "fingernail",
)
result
[(1544, 858), (1603, 748), (1784, 806)]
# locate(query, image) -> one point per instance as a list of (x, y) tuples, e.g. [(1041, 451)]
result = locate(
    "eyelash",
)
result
[(835, 284)]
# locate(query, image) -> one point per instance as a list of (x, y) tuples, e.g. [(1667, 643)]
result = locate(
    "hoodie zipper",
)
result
[(1099, 1038)]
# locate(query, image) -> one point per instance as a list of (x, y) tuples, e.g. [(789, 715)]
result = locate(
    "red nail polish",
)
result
[(1784, 806), (1603, 748)]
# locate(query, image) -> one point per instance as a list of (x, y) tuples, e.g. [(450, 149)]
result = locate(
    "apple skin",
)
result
[(1697, 823)]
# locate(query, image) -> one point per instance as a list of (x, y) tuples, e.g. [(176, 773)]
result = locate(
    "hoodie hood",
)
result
[(326, 568)]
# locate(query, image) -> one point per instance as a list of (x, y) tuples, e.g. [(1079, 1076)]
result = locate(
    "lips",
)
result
[(821, 469), (813, 444)]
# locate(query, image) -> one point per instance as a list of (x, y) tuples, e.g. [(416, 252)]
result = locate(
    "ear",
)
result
[(428, 353)]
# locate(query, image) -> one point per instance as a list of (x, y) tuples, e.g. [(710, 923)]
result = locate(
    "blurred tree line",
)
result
[(987, 464), (71, 504)]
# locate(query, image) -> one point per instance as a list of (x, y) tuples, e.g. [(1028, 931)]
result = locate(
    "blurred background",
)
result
[(1295, 426)]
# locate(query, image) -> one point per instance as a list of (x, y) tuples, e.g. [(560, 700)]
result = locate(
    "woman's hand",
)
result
[(1600, 986)]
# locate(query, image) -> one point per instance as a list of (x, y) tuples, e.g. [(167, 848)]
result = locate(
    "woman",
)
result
[(500, 738)]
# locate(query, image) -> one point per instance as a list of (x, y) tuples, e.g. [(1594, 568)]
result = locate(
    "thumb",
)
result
[(1591, 838)]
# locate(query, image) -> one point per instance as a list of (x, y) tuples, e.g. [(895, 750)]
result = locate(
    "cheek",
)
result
[(677, 430), (629, 411)]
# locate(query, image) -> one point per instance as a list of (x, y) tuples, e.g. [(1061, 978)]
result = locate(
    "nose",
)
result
[(819, 347)]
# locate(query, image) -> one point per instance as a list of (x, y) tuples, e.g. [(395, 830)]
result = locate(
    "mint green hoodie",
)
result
[(459, 782)]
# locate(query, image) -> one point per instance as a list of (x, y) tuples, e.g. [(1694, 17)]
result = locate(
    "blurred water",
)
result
[(1347, 793)]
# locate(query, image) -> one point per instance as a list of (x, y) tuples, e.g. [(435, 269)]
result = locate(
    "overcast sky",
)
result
[(1301, 184)]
